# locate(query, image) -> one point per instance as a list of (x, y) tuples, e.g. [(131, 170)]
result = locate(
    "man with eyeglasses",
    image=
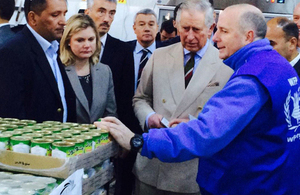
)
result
[(34, 84), (118, 56)]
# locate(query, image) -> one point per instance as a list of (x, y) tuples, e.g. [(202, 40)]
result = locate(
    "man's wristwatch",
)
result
[(136, 142)]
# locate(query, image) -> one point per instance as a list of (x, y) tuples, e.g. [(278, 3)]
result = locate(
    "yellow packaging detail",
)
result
[(122, 1)]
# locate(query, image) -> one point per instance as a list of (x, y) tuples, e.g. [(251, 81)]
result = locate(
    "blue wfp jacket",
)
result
[(243, 149)]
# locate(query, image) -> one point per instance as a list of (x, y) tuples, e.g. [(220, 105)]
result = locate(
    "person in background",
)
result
[(7, 8), (296, 18), (175, 83), (246, 137), (176, 39), (145, 27), (283, 36), (34, 84), (91, 80), (167, 31), (118, 56)]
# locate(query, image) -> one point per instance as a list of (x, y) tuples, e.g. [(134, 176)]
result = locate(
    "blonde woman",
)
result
[(91, 80)]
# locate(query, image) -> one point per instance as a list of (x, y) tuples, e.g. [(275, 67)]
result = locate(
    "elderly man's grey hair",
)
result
[(146, 12), (253, 19), (90, 3), (198, 5)]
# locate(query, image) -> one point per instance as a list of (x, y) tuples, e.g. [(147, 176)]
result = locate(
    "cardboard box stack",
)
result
[(12, 159)]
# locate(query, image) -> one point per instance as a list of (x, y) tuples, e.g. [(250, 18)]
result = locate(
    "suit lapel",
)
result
[(108, 50), (176, 72), (97, 90), (42, 61), (71, 72), (297, 67), (205, 71)]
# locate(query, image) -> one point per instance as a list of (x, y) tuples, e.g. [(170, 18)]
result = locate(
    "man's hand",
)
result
[(154, 121), (176, 121), (118, 130)]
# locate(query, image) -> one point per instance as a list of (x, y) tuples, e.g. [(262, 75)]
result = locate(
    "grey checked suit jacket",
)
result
[(103, 103), (162, 90)]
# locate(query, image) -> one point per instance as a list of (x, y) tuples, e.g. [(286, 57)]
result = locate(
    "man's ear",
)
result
[(211, 29), (134, 27), (249, 36), (32, 18), (87, 11), (293, 43)]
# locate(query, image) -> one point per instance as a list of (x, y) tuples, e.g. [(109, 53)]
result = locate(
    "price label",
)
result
[(122, 1)]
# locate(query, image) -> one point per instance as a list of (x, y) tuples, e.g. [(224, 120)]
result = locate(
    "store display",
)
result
[(55, 150)]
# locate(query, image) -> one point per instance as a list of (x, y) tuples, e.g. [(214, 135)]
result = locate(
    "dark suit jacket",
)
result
[(169, 42), (28, 87), (103, 103), (297, 67), (118, 56), (132, 45), (5, 34)]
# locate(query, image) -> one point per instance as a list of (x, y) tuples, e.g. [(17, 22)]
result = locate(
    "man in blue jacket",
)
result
[(246, 137)]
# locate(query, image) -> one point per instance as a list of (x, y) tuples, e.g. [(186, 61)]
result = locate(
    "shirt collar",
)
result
[(4, 24), (103, 39), (295, 60), (201, 52), (139, 47), (43, 42)]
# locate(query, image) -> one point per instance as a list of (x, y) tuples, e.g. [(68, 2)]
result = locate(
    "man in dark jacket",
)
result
[(34, 84)]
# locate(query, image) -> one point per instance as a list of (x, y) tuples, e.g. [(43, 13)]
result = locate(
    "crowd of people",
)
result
[(197, 109)]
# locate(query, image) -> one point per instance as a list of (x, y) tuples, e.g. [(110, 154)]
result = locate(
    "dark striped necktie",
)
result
[(143, 62), (188, 69)]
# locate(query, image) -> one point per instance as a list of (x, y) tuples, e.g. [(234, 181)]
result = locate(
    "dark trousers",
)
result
[(125, 179)]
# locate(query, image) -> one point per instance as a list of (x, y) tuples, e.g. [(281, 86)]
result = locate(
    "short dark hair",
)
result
[(211, 2), (289, 28), (168, 26), (7, 8), (175, 11), (37, 6)]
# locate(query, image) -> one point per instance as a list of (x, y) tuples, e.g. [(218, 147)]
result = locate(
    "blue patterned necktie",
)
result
[(143, 62)]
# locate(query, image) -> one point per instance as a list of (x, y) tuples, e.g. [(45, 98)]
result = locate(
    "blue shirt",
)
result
[(198, 56)]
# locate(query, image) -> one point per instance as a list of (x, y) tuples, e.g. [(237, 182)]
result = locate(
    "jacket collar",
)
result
[(236, 60)]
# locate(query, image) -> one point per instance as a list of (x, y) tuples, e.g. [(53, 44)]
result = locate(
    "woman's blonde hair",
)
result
[(75, 24)]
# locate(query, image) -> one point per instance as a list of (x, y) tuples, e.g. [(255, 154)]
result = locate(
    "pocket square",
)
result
[(213, 84)]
